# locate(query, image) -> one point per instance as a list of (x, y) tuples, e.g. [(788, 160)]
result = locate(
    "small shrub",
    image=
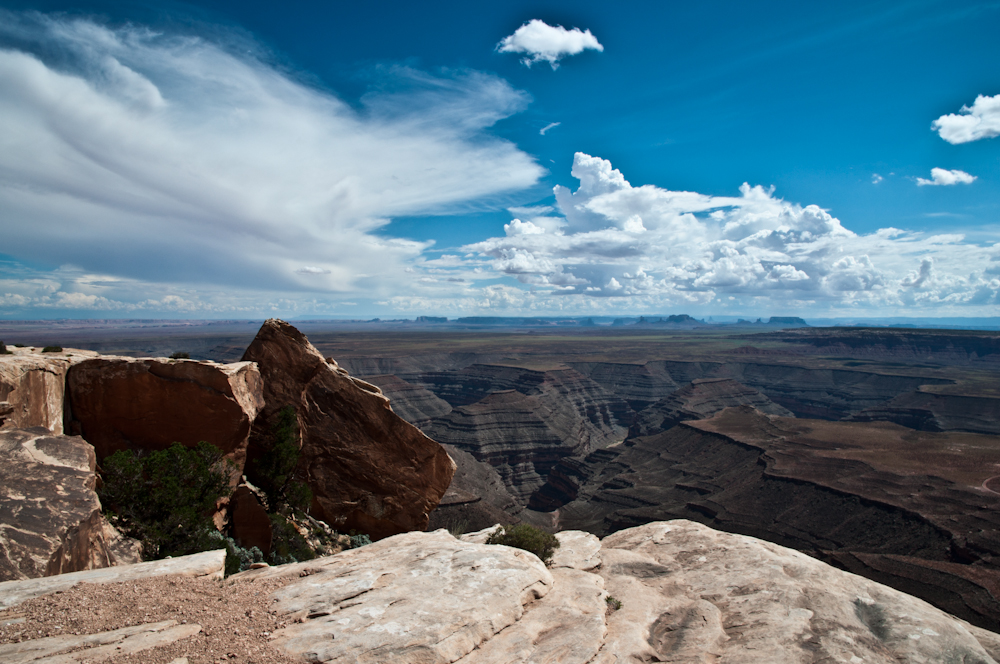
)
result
[(19, 346), (873, 617), (3, 349), (287, 543), (613, 604), (238, 559), (359, 540), (165, 499), (180, 355), (52, 349), (458, 527), (276, 467), (527, 537)]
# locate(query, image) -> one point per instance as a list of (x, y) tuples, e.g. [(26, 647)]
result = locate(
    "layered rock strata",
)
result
[(414, 403), (121, 403), (368, 469), (699, 399), (50, 516), (937, 412)]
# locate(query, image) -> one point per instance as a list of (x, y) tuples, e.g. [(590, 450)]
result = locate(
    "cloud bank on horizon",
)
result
[(656, 248), (541, 42)]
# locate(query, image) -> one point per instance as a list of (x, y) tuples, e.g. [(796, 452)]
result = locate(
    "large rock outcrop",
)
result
[(672, 591), (688, 594), (126, 403), (32, 386), (368, 469), (50, 516)]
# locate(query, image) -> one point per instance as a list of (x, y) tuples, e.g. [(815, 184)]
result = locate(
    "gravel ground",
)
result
[(235, 617)]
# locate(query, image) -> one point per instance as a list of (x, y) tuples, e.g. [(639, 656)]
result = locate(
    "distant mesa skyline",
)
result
[(224, 160)]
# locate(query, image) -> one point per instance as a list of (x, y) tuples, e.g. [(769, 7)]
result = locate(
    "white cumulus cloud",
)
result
[(971, 123), (661, 249), (541, 42), (944, 177)]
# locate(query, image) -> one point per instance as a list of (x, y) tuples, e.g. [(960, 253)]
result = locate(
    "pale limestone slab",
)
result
[(577, 550), (57, 649), (412, 598), (693, 594), (207, 564)]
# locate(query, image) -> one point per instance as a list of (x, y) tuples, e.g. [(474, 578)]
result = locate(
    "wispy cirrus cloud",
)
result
[(946, 178), (541, 42), (971, 123), (158, 157)]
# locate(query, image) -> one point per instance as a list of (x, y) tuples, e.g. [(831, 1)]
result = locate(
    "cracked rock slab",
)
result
[(207, 564), (50, 516), (69, 649), (567, 626), (577, 550), (411, 598), (693, 594)]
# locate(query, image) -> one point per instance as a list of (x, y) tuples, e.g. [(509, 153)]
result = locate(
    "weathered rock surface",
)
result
[(699, 399), (207, 565), (693, 594), (369, 470), (249, 523), (31, 390), (69, 648), (126, 403), (415, 597), (687, 594), (50, 516)]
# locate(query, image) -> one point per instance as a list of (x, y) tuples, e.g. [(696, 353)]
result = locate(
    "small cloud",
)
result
[(942, 176), (551, 125), (543, 42), (312, 270), (518, 227), (876, 178), (971, 123)]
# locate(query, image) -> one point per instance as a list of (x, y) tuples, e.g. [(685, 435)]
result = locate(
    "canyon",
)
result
[(873, 451)]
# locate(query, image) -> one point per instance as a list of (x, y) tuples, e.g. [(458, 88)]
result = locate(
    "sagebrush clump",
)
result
[(527, 537), (3, 349)]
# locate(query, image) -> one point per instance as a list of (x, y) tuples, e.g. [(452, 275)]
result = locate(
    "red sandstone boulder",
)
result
[(50, 516), (249, 523), (125, 403), (369, 470)]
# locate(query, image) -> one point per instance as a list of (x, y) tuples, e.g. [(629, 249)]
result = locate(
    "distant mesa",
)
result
[(787, 321), (431, 319)]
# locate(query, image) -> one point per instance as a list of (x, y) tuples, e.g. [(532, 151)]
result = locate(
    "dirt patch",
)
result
[(236, 617)]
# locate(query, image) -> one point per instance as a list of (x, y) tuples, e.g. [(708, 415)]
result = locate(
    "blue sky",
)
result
[(225, 159)]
